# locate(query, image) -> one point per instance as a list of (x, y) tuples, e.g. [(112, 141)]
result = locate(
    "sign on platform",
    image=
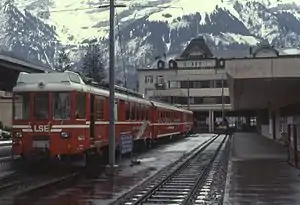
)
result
[(126, 143)]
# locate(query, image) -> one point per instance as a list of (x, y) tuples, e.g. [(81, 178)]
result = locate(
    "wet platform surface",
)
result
[(101, 190), (258, 173)]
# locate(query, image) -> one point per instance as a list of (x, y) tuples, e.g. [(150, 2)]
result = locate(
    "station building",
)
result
[(9, 72), (194, 80), (268, 84)]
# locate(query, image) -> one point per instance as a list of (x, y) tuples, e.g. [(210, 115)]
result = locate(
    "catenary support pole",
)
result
[(112, 85)]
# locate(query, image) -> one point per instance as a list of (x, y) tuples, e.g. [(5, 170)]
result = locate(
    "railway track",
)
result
[(18, 184), (181, 183), (37, 178)]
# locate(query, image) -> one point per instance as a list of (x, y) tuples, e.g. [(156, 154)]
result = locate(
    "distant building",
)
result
[(6, 108), (194, 80)]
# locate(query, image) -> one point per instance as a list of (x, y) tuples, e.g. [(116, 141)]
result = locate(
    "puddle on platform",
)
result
[(91, 190), (263, 182)]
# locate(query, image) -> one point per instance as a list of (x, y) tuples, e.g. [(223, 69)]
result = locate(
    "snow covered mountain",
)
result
[(24, 36), (152, 27)]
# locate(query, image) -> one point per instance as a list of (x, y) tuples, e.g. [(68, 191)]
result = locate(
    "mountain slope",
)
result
[(24, 35), (152, 27)]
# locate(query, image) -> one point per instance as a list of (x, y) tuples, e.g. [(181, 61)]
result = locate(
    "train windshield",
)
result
[(21, 106), (61, 103), (41, 106)]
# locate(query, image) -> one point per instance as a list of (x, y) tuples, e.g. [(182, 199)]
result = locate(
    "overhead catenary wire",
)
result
[(107, 6)]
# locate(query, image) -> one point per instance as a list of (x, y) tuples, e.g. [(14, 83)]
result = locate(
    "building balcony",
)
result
[(160, 86), (183, 92), (204, 107)]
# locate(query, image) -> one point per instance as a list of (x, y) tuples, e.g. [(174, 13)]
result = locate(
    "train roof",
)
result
[(171, 107), (70, 81)]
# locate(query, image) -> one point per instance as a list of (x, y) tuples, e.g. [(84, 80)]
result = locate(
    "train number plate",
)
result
[(40, 144)]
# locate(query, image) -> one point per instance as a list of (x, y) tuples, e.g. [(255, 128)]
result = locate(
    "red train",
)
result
[(60, 114)]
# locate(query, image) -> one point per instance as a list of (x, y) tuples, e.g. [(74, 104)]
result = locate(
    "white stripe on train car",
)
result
[(21, 126), (70, 126), (27, 128), (167, 134), (55, 130)]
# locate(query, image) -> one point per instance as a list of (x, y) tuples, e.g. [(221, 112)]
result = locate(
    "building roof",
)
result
[(22, 65), (199, 45), (265, 46), (153, 65)]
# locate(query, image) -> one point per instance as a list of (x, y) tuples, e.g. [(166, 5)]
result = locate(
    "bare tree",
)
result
[(62, 61), (93, 64)]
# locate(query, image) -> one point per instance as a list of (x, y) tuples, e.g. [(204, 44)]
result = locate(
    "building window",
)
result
[(184, 84), (205, 84), (148, 79), (160, 80), (218, 83), (209, 100), (8, 94), (173, 84)]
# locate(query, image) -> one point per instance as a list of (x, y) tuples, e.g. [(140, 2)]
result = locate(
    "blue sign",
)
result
[(126, 143)]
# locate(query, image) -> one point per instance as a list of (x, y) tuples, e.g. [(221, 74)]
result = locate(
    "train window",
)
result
[(138, 112), (147, 113), (61, 105), (127, 105), (133, 111), (80, 112), (74, 78), (141, 112), (41, 106), (99, 108), (102, 108), (21, 106), (166, 116)]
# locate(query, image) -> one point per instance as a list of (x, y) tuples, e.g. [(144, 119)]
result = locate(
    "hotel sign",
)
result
[(206, 63), (203, 63)]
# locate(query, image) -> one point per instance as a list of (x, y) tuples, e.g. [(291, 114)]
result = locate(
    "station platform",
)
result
[(258, 173)]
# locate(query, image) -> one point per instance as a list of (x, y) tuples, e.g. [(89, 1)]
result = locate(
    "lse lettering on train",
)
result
[(40, 128)]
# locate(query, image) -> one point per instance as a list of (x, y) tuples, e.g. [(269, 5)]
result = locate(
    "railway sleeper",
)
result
[(181, 183), (176, 186), (169, 196), (185, 180), (160, 201), (172, 193), (174, 190)]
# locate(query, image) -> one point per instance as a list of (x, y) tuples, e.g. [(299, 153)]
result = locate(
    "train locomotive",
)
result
[(61, 114)]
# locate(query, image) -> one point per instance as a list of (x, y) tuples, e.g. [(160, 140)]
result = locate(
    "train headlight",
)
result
[(64, 135), (19, 135)]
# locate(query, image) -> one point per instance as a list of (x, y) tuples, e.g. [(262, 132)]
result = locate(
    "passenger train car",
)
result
[(60, 114)]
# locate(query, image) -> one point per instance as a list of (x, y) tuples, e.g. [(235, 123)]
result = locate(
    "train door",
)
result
[(92, 118)]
